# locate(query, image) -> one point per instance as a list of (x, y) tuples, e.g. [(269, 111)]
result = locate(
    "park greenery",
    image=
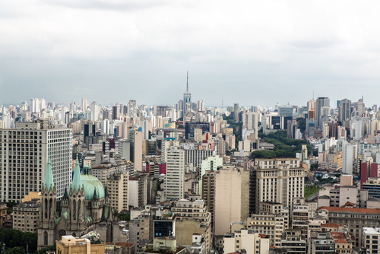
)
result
[(12, 238), (310, 190), (284, 147)]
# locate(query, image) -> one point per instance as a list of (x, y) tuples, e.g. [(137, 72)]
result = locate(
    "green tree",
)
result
[(30, 239), (44, 250), (15, 250), (124, 216)]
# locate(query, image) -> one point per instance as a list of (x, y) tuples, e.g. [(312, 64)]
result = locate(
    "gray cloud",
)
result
[(258, 52)]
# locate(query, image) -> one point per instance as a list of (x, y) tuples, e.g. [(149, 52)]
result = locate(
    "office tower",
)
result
[(161, 111), (106, 114), (186, 97), (175, 172), (115, 112), (285, 110), (360, 107), (321, 102), (231, 197), (25, 153), (344, 110), (94, 111), (84, 105), (236, 112), (132, 109), (117, 187), (277, 180)]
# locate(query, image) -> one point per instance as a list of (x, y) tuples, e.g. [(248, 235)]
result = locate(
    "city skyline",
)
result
[(68, 50)]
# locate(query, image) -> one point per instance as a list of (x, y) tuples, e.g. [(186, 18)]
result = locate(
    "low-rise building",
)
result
[(69, 244), (25, 216), (353, 218), (252, 243), (321, 243), (370, 239), (270, 225)]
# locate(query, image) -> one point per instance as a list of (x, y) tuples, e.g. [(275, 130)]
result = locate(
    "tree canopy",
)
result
[(283, 146)]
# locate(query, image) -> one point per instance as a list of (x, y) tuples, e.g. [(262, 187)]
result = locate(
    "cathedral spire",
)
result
[(48, 181), (76, 183)]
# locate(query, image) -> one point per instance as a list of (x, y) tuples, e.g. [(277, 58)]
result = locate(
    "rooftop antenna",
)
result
[(313, 95), (187, 84), (222, 102)]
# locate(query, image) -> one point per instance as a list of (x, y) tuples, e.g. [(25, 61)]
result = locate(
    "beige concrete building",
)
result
[(192, 217), (117, 184), (253, 243), (71, 245), (231, 197), (274, 208), (278, 180), (25, 216), (270, 225), (31, 195)]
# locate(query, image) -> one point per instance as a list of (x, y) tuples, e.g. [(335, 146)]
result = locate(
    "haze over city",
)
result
[(253, 52)]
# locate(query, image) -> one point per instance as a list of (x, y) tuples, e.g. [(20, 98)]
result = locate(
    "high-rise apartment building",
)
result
[(208, 192), (277, 180), (135, 138), (321, 102), (117, 184), (231, 197), (175, 173), (24, 152)]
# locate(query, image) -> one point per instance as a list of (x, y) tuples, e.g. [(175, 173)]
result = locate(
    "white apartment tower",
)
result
[(84, 105), (175, 172), (24, 152), (94, 111)]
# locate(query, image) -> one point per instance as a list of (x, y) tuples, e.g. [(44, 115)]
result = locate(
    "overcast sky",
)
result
[(251, 52)]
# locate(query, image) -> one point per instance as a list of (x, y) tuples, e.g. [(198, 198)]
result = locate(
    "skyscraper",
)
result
[(236, 112), (321, 102), (344, 110), (186, 97)]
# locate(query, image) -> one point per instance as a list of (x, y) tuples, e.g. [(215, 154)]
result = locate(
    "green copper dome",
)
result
[(92, 185)]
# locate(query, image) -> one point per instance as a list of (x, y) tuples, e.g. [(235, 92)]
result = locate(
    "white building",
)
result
[(24, 152), (245, 239), (175, 172)]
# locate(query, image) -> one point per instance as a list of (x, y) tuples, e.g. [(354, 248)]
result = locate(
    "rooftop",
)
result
[(350, 209)]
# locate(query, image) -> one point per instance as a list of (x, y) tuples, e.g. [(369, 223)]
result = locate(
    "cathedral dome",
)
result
[(91, 185)]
